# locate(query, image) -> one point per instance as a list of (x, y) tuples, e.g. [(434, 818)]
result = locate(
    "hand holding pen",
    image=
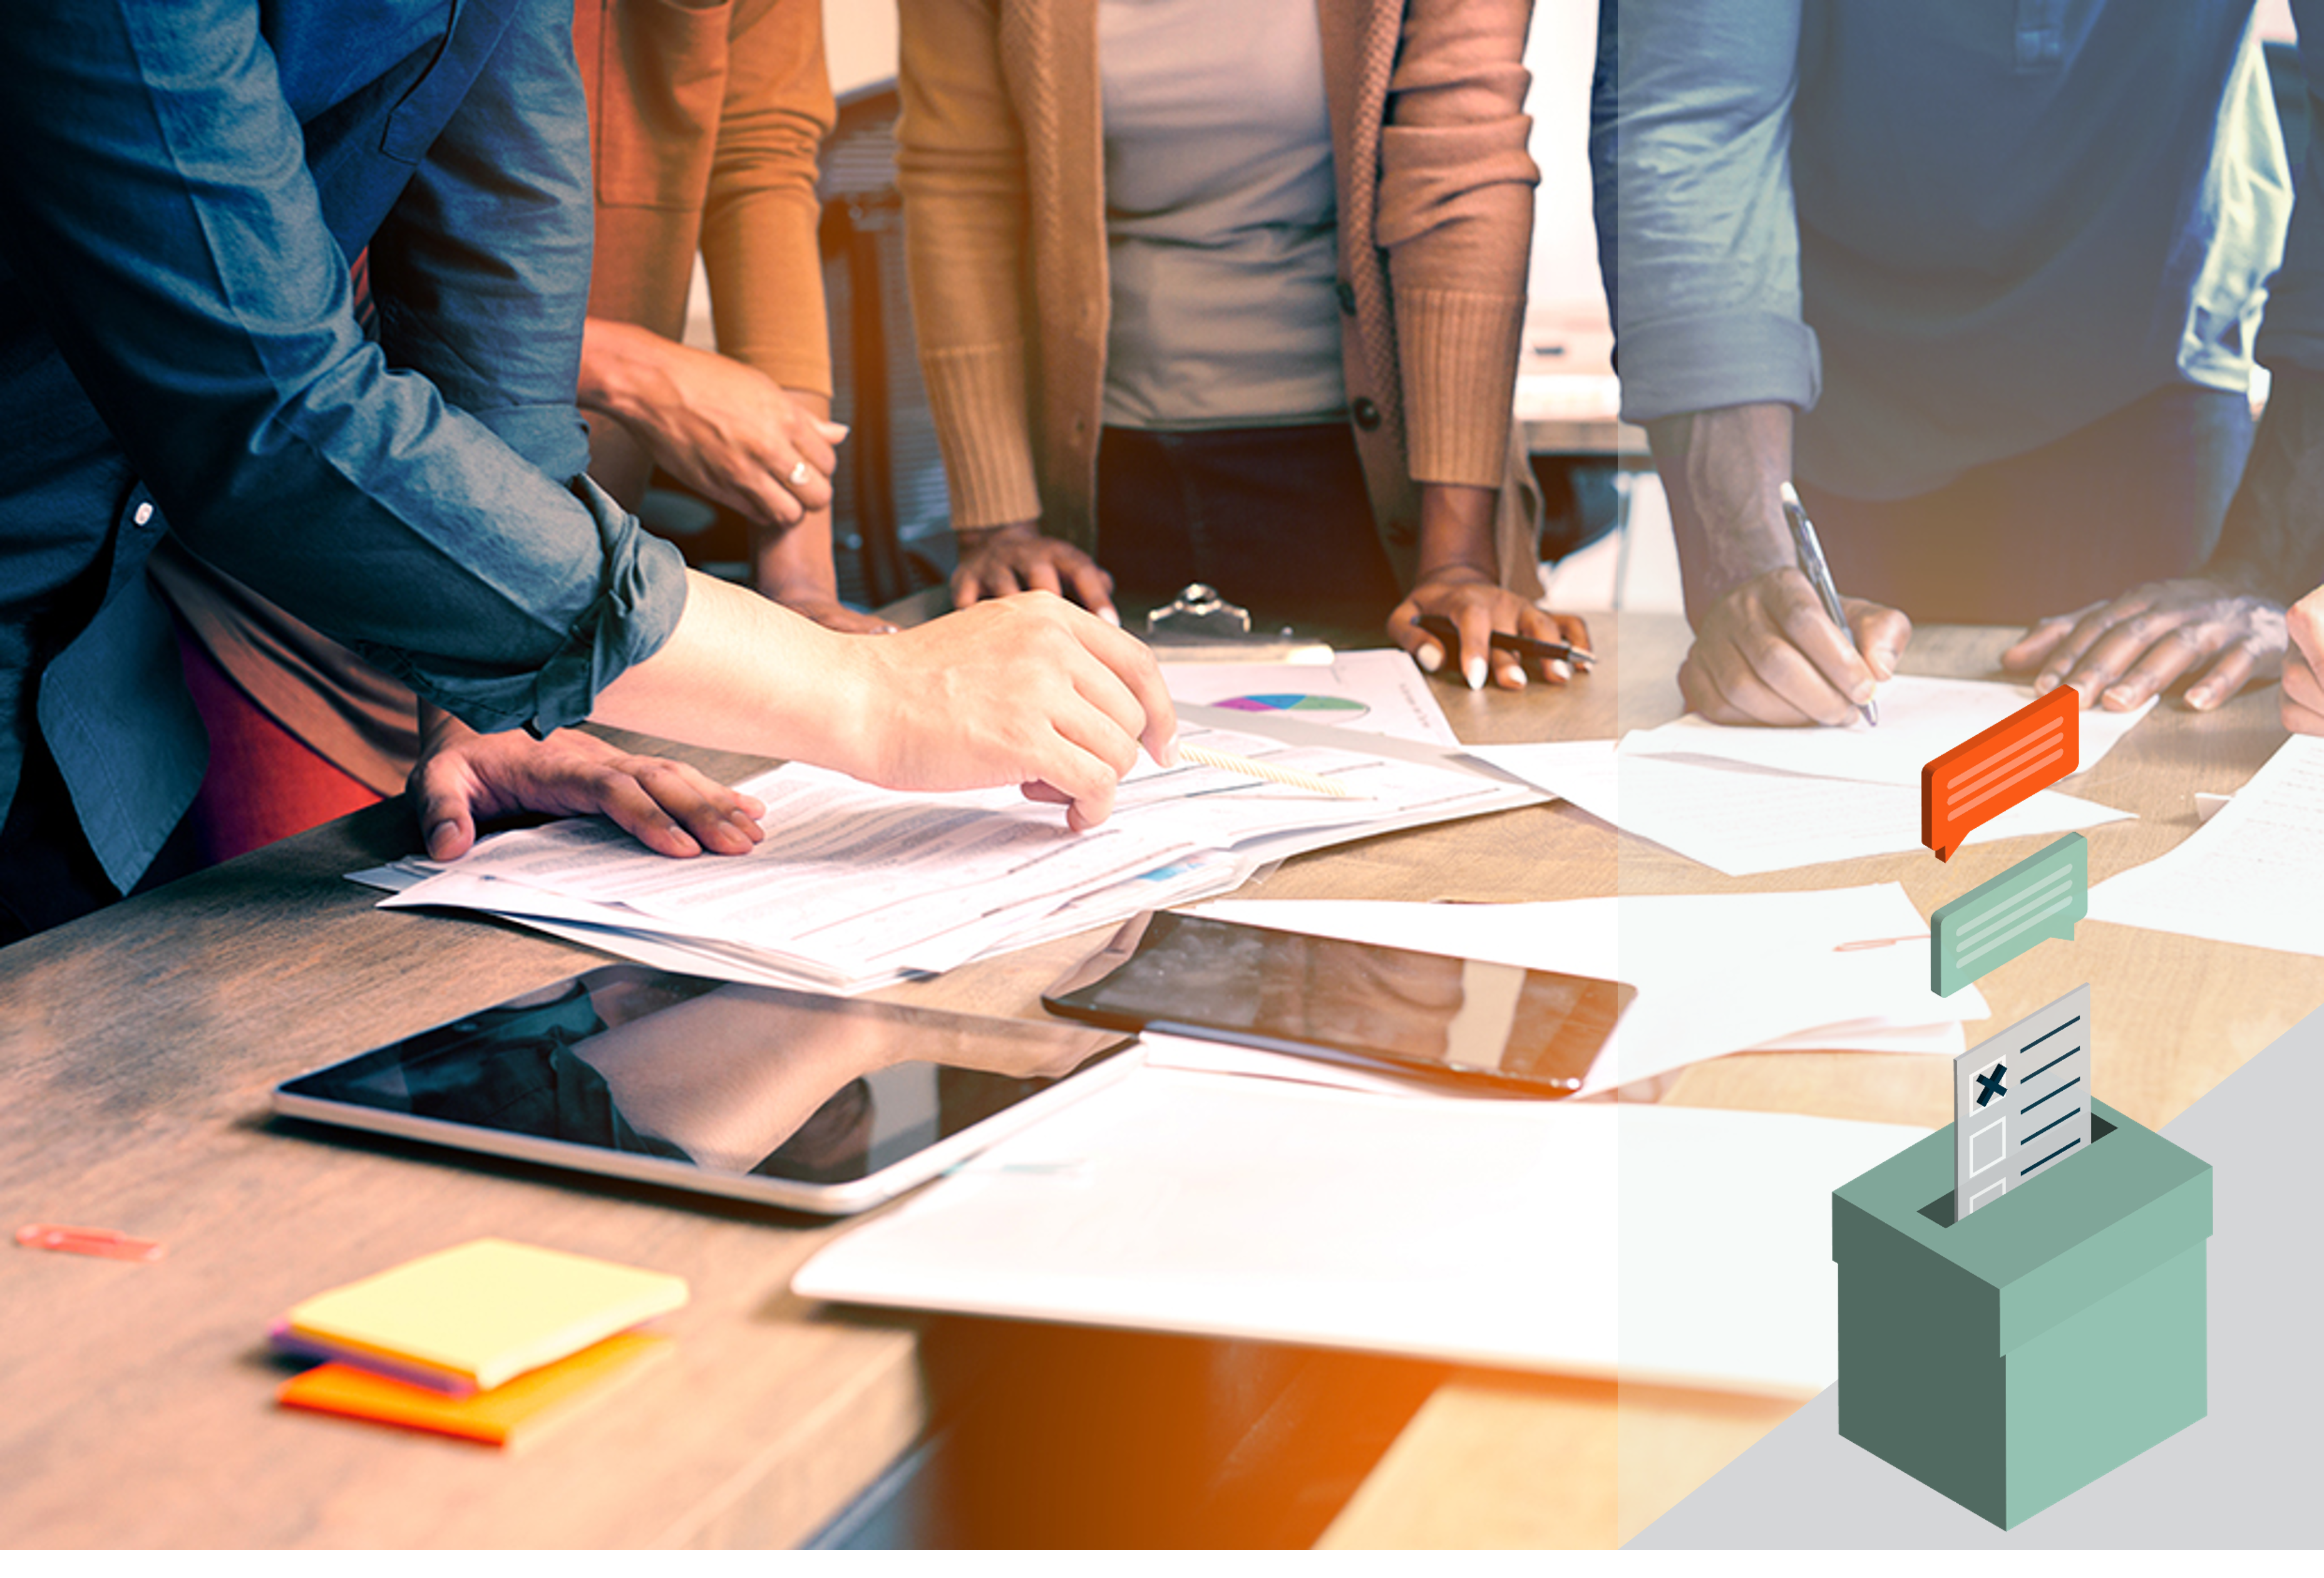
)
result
[(1778, 648), (1479, 629)]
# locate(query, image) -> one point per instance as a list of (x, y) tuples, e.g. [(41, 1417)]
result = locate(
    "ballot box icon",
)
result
[(2009, 1358)]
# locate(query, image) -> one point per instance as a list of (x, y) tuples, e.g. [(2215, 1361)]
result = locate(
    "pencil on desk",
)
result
[(1290, 776)]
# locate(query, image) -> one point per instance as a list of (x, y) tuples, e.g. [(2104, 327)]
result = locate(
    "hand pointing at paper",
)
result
[(1025, 690)]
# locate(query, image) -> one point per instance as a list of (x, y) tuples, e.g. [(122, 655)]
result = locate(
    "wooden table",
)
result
[(137, 1047), (1496, 1459)]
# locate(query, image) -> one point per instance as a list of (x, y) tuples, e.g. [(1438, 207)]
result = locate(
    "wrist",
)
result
[(972, 537), (621, 369)]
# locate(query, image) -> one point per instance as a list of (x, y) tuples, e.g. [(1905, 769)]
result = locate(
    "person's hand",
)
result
[(1025, 689), (724, 429), (2118, 654), (462, 776), (1478, 606), (1768, 653), (2303, 666), (832, 614), (997, 560)]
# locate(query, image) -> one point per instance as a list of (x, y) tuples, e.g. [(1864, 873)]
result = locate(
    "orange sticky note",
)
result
[(522, 1409)]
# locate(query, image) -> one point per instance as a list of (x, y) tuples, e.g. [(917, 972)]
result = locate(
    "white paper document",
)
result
[(1715, 972), (855, 885), (1380, 691), (1543, 1235), (1743, 820), (2252, 873), (1921, 719)]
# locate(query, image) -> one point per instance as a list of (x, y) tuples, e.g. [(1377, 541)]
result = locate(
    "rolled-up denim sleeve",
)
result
[(1690, 147), (414, 498)]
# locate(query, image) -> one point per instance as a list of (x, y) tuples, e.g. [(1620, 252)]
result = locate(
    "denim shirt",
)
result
[(184, 188), (1948, 233)]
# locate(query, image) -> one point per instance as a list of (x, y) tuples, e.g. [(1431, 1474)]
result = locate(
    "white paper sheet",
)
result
[(1543, 1235), (854, 884), (2253, 874), (1388, 687), (1743, 820), (1921, 719), (1715, 973)]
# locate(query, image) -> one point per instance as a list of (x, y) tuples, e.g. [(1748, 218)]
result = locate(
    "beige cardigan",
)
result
[(1000, 159)]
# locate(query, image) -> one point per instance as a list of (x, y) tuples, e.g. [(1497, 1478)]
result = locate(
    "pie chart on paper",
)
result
[(1321, 709)]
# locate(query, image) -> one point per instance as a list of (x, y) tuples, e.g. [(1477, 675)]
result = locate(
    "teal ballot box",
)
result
[(2009, 1358)]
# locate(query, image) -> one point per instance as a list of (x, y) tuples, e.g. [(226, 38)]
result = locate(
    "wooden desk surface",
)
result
[(137, 1048), (1496, 1459)]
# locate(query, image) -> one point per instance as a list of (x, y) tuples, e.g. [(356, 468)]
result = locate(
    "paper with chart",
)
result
[(1379, 691), (2252, 873), (855, 885), (1844, 968), (1920, 718), (1743, 820), (1543, 1235)]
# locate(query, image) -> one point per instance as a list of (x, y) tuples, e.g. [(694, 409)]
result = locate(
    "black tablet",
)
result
[(793, 1099), (1491, 1029)]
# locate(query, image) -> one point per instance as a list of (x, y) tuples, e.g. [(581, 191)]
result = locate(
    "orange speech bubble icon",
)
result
[(1985, 775)]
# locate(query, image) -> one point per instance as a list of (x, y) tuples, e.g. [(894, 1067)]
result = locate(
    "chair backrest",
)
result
[(890, 517)]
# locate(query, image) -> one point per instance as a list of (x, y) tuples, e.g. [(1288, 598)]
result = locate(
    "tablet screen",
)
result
[(1530, 1030), (733, 1079)]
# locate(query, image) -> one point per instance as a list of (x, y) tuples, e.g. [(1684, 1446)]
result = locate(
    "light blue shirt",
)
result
[(1948, 233)]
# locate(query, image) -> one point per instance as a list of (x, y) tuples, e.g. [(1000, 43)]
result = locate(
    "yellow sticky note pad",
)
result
[(487, 1311), (523, 1408)]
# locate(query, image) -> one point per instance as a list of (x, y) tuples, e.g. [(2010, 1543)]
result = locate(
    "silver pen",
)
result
[(1810, 553)]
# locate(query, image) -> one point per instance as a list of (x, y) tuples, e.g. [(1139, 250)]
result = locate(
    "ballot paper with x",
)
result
[(2021, 1103)]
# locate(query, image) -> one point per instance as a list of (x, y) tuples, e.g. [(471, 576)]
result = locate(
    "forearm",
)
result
[(625, 372), (741, 673), (2272, 542), (1723, 471)]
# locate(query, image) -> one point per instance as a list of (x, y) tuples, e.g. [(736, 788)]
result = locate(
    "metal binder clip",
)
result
[(1199, 613)]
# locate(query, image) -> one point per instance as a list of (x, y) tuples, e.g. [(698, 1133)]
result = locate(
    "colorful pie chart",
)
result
[(1326, 709)]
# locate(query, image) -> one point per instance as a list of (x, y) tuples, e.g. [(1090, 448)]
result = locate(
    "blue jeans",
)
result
[(2135, 496)]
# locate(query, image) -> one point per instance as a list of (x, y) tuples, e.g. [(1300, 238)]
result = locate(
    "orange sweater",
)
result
[(1001, 157)]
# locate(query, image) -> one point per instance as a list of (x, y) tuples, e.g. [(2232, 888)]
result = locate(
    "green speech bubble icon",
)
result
[(2039, 898)]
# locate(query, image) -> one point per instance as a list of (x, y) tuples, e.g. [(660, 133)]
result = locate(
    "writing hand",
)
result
[(1025, 689), (1768, 653)]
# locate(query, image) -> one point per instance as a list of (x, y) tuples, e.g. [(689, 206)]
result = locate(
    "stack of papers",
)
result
[(1668, 1245), (1842, 969), (855, 887), (485, 1340), (2251, 873), (1748, 800)]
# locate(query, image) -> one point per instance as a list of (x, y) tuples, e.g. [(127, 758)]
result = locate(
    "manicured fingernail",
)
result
[(1474, 668), (2046, 683), (2203, 699), (1430, 656), (1170, 751), (1560, 669), (1109, 615), (2122, 695), (1862, 693), (1513, 677)]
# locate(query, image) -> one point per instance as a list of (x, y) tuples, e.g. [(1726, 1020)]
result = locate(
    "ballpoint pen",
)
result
[(1810, 553), (1523, 646)]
